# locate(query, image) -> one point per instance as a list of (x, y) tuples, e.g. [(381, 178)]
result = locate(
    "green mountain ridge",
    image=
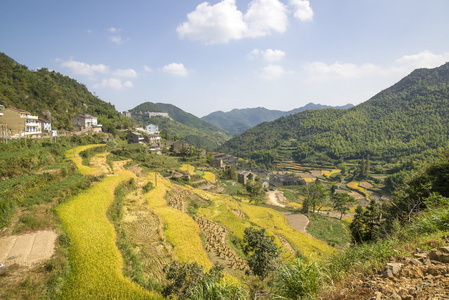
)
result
[(407, 118), (237, 121), (54, 96)]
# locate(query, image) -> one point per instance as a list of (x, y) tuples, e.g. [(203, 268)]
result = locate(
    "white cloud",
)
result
[(114, 83), (147, 69), (320, 71), (268, 55), (223, 22), (302, 10), (113, 29), (175, 69), (425, 59), (125, 73), (99, 72), (263, 16), (116, 39), (80, 68), (272, 72)]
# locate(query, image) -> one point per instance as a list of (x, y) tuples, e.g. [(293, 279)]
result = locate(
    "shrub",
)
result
[(296, 280)]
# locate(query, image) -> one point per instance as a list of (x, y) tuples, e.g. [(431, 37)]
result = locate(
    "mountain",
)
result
[(54, 96), (407, 118), (237, 121), (182, 124)]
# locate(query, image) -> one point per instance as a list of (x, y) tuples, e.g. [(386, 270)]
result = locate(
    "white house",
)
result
[(152, 129), (45, 125), (84, 121)]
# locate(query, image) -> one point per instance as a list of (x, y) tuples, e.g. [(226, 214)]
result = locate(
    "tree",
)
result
[(315, 194), (254, 188), (260, 250), (189, 281), (342, 202), (366, 222)]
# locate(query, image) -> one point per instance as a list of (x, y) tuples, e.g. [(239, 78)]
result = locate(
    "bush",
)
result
[(296, 280), (189, 281)]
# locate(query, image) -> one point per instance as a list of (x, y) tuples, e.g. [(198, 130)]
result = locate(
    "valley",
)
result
[(313, 204)]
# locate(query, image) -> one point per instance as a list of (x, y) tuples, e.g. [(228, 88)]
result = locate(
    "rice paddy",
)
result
[(96, 263), (188, 169), (73, 155), (329, 173), (95, 260), (210, 177), (180, 229)]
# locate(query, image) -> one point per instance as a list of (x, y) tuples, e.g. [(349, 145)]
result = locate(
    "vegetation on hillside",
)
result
[(305, 269), (53, 96), (237, 121), (408, 118)]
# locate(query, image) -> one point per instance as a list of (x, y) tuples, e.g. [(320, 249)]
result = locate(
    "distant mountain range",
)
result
[(408, 118), (237, 121)]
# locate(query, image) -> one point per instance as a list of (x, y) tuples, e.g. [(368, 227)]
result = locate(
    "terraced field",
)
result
[(160, 230), (95, 259), (181, 230)]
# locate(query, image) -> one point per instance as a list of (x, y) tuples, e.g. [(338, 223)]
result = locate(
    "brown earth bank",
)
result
[(423, 276)]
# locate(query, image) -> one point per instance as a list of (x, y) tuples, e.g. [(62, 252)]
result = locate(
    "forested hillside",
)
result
[(183, 125), (237, 121), (408, 118), (52, 95)]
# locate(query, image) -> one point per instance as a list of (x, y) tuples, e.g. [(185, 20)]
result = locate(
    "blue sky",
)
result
[(220, 55)]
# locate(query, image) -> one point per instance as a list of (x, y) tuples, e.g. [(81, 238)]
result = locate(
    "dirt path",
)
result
[(297, 221), (275, 197), (27, 249)]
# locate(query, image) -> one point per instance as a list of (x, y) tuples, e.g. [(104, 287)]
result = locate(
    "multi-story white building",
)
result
[(20, 122)]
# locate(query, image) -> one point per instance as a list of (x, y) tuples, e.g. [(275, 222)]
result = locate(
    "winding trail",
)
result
[(296, 221)]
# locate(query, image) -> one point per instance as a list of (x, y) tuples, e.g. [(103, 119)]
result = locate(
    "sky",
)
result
[(219, 55)]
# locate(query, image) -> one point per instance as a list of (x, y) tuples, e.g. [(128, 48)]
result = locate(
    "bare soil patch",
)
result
[(275, 198), (27, 249), (297, 221)]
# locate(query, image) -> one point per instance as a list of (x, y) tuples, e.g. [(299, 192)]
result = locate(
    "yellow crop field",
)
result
[(355, 186), (220, 211), (275, 222), (95, 260), (188, 168), (295, 204), (84, 170), (209, 177), (309, 180), (329, 173), (180, 229)]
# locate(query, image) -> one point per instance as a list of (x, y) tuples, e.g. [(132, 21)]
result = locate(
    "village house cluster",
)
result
[(19, 123), (267, 179), (149, 135), (147, 114)]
